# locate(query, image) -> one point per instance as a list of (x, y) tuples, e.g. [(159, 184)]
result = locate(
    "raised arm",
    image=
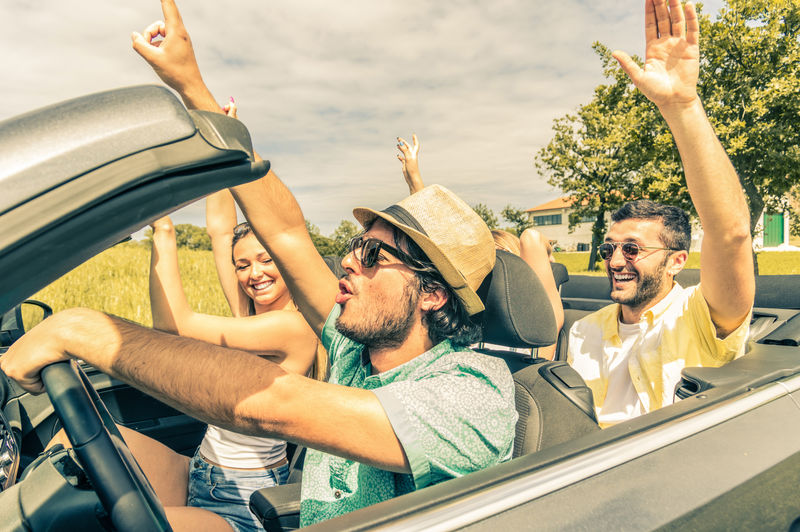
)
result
[(409, 157), (669, 79), (281, 335), (220, 222), (533, 250), (273, 212), (167, 298)]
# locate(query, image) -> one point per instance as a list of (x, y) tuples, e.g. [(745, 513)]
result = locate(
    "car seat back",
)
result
[(554, 406), (553, 403)]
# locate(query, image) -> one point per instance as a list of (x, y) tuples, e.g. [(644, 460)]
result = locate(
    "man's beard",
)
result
[(387, 327), (647, 289)]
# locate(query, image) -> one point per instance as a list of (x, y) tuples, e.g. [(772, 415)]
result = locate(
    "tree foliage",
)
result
[(518, 218), (187, 236), (750, 86), (598, 155), (325, 246), (342, 235), (486, 214), (617, 147)]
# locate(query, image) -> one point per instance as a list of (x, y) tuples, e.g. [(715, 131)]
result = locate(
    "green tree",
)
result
[(192, 237), (518, 218), (486, 214), (617, 147), (325, 246), (750, 86), (343, 234), (186, 236), (596, 152)]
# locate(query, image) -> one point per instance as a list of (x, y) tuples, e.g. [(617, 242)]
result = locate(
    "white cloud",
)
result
[(325, 87)]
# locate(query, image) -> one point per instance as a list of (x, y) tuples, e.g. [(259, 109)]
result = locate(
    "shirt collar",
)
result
[(610, 323), (655, 312)]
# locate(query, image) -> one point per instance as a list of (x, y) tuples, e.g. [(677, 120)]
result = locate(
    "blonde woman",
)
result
[(227, 467)]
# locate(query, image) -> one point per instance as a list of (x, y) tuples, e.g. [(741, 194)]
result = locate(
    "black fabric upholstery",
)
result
[(547, 417), (278, 508), (518, 312), (335, 265), (777, 291), (560, 273), (296, 465), (570, 317)]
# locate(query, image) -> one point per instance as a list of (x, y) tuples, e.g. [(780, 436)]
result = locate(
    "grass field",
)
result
[(116, 280)]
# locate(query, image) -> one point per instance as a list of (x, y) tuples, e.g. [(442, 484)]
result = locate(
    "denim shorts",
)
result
[(226, 492)]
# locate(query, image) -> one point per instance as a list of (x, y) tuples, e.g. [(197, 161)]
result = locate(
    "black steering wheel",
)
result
[(115, 475)]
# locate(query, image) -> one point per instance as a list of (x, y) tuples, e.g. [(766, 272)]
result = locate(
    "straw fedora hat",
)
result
[(452, 235)]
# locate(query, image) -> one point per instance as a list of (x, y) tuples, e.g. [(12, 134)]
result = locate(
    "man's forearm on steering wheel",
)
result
[(196, 378)]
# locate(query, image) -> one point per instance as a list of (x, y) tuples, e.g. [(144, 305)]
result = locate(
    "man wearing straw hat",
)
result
[(407, 404)]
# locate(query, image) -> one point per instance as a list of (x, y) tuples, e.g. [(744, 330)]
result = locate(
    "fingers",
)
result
[(650, 23), (630, 67), (33, 384), (662, 18), (143, 42), (692, 24), (142, 46), (677, 22), (230, 108), (415, 141), (157, 28), (402, 145), (171, 14), (165, 222)]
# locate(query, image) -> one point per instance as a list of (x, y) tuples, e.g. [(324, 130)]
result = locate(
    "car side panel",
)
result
[(716, 479)]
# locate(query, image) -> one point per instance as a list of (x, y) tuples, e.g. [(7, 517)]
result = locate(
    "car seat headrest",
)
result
[(560, 273), (518, 312), (335, 265)]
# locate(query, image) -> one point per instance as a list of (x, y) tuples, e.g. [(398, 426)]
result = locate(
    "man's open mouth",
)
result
[(345, 292)]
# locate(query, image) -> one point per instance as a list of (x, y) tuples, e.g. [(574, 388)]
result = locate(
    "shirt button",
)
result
[(337, 494)]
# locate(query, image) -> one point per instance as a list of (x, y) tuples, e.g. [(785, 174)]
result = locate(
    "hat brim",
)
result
[(454, 279)]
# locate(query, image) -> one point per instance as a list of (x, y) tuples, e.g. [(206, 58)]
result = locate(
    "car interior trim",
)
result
[(512, 493)]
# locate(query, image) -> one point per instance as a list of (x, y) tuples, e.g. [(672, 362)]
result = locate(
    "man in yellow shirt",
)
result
[(631, 353)]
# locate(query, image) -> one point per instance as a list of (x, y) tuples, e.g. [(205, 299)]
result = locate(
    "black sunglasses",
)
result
[(630, 250), (370, 250)]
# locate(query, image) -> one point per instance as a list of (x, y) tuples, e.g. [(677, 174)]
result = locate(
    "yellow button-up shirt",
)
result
[(676, 333)]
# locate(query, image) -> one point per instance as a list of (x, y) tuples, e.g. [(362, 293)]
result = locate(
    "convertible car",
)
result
[(726, 456)]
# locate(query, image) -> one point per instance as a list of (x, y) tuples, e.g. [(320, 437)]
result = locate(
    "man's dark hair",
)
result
[(451, 321), (677, 232)]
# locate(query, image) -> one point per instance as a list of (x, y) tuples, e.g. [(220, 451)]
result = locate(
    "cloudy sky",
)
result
[(325, 87)]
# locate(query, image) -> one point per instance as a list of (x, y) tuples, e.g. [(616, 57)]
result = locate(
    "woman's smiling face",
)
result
[(257, 274)]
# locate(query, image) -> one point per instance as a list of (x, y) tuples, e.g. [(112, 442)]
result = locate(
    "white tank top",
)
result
[(231, 449)]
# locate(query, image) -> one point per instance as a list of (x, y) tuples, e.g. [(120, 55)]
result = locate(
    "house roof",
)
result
[(558, 203)]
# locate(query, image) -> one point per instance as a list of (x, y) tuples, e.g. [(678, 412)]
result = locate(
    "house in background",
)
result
[(551, 219), (772, 233)]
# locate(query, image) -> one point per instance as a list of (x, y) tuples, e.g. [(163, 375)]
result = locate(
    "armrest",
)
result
[(278, 508)]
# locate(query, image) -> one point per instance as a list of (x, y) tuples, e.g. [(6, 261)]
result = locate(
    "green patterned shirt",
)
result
[(453, 412)]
